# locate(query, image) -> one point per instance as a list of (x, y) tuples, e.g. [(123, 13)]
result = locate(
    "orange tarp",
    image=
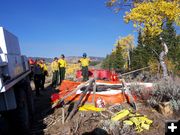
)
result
[(112, 98)]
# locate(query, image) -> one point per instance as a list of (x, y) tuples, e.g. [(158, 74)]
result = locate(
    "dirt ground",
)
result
[(87, 123)]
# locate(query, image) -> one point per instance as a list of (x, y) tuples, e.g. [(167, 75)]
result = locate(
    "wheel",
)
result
[(21, 118), (21, 113), (29, 98)]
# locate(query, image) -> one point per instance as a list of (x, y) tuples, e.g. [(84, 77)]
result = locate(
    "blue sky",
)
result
[(49, 28)]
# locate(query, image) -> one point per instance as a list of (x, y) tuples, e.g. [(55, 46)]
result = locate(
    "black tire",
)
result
[(22, 115), (29, 98), (20, 119), (3, 126)]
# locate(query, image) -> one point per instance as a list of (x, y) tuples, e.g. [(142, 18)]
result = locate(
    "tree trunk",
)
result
[(161, 59)]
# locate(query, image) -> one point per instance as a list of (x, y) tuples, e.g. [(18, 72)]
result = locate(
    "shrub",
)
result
[(166, 91)]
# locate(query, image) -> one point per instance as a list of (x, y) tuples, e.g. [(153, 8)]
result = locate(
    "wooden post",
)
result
[(62, 115), (128, 92), (69, 94), (76, 106), (135, 71), (94, 92)]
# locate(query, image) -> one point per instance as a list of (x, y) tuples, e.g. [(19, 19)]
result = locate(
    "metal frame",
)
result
[(14, 81)]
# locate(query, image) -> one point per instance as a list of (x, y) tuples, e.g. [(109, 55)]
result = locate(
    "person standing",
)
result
[(44, 73), (84, 64), (37, 70), (31, 64), (62, 67), (55, 70)]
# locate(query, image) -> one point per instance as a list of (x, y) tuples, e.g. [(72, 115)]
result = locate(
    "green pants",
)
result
[(85, 73), (55, 78), (62, 71)]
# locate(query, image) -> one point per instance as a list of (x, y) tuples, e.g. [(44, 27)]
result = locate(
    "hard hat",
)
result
[(62, 55), (84, 54)]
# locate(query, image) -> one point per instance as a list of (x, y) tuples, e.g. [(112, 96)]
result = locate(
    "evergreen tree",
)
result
[(119, 60), (150, 48), (173, 43), (106, 62), (114, 60), (177, 62), (140, 55)]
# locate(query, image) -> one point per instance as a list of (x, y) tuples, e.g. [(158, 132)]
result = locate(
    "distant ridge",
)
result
[(71, 59)]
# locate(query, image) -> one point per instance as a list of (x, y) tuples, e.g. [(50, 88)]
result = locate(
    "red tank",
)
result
[(104, 74), (100, 74)]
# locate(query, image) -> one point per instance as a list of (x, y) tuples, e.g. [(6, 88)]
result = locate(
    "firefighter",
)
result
[(55, 70), (62, 67), (37, 76), (84, 64), (44, 73), (31, 64)]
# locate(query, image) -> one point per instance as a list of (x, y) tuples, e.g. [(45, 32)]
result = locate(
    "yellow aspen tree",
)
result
[(126, 44), (150, 16)]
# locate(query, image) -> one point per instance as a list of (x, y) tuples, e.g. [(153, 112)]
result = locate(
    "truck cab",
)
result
[(15, 87)]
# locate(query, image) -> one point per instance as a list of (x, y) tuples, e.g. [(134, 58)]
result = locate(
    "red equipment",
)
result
[(31, 61), (99, 74)]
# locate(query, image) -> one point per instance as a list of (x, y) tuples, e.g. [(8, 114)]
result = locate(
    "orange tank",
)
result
[(110, 96)]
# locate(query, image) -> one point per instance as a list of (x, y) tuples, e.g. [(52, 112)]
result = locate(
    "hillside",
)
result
[(71, 59)]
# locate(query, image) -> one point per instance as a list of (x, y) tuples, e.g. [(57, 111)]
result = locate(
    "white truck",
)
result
[(16, 103)]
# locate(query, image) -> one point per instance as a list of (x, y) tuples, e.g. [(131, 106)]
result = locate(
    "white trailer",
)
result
[(14, 82)]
